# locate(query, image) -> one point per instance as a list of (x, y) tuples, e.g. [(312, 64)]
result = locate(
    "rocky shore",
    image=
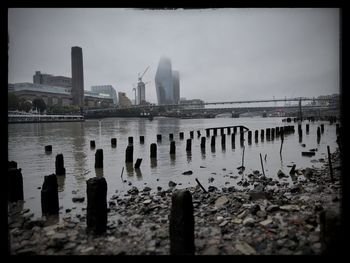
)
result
[(273, 218)]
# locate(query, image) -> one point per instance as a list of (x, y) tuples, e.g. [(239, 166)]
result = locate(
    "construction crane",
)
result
[(140, 78)]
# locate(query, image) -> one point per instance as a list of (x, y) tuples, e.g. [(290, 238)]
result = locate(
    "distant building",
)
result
[(97, 100), (167, 83), (77, 76), (106, 89), (192, 104), (141, 94), (47, 79), (124, 101)]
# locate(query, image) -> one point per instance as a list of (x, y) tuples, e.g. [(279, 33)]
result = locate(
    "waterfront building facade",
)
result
[(176, 86), (50, 80), (106, 89), (124, 101)]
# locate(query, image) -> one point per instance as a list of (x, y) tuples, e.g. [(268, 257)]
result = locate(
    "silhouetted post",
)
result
[(59, 165), (207, 131), (215, 132), (159, 137), (272, 134), (11, 164), (15, 184), (181, 224), (48, 148), (172, 147), (249, 137), (212, 142), (198, 134), (235, 129), (330, 163), (222, 131), (262, 165), (138, 163), (191, 134), (171, 136), (337, 128), (188, 145), (262, 134), (99, 158), (241, 129), (92, 144), (181, 135), (268, 130), (307, 128), (203, 139), (233, 140), (300, 131), (142, 139), (322, 128), (223, 139), (113, 142), (131, 140), (241, 135), (228, 130), (318, 133), (153, 150), (256, 135), (96, 212), (129, 152), (49, 195)]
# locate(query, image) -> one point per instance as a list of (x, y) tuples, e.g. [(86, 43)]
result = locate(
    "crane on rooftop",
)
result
[(140, 77)]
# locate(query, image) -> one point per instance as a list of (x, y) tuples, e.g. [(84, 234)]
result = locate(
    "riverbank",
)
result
[(272, 219)]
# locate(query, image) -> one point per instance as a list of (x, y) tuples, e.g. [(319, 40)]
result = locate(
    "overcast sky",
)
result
[(221, 54)]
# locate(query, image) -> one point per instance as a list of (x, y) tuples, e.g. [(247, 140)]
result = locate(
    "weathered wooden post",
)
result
[(272, 134), (330, 164), (203, 139), (262, 134), (15, 184), (153, 150), (277, 129), (198, 134), (49, 195), (131, 140), (48, 148), (181, 135), (159, 137), (113, 142), (59, 165), (181, 225), (307, 128), (249, 137), (142, 139), (235, 129), (96, 212), (215, 132), (222, 131), (241, 137), (188, 145), (172, 147), (228, 130), (233, 140), (191, 134), (171, 136), (207, 131), (138, 163), (318, 134), (322, 128), (129, 152), (223, 139), (240, 129), (268, 130), (99, 158), (256, 135), (212, 142), (92, 144)]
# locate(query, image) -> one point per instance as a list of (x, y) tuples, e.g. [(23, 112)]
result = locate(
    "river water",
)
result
[(26, 144)]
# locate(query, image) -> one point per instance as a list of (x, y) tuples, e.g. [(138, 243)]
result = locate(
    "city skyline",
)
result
[(221, 54)]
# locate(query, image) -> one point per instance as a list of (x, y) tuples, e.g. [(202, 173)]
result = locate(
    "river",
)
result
[(26, 144)]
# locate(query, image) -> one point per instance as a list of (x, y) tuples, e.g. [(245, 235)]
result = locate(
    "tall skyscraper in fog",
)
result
[(164, 82), (176, 86), (77, 76)]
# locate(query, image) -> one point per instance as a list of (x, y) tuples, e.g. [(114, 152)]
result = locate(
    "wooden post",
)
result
[(203, 139), (262, 134), (188, 145), (153, 150), (318, 134), (92, 144), (249, 137), (277, 129), (322, 128), (138, 163), (215, 132), (272, 134), (181, 135), (330, 164), (49, 195), (159, 137), (48, 148), (99, 158), (114, 142), (212, 142), (268, 130), (131, 140), (96, 212), (228, 130), (207, 131), (235, 129), (222, 131), (223, 139), (142, 139), (233, 140), (59, 165), (191, 134), (129, 152), (198, 134), (262, 165), (172, 147), (241, 135), (181, 225), (15, 184), (307, 128), (171, 136)]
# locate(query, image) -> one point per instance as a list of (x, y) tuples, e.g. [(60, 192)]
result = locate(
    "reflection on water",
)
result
[(51, 219), (99, 172), (27, 142), (60, 182)]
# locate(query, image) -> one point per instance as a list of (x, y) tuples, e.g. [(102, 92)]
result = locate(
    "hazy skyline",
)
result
[(221, 54)]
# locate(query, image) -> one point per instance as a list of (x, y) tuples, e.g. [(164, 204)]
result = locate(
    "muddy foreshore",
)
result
[(272, 219)]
